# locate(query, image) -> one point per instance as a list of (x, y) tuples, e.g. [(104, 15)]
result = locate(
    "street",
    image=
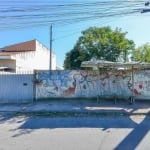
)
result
[(74, 133)]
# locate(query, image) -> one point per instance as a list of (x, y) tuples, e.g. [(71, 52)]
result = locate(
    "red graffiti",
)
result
[(69, 91), (140, 86), (136, 92)]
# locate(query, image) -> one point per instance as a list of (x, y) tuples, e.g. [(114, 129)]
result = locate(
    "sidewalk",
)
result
[(79, 106)]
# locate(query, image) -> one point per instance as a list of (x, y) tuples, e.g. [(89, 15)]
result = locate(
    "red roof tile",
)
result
[(21, 47)]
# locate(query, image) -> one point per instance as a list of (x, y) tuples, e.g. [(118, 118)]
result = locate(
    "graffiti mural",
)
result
[(72, 83), (142, 83)]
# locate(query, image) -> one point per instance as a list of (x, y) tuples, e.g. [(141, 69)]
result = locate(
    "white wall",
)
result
[(38, 59)]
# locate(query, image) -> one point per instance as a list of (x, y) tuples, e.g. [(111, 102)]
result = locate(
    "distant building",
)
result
[(29, 55), (59, 68)]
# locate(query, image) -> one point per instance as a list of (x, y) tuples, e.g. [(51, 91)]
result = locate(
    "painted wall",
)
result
[(88, 84), (19, 87)]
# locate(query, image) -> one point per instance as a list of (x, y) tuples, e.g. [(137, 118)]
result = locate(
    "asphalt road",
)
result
[(74, 133)]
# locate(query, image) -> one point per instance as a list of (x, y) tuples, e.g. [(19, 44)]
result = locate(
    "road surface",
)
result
[(74, 133)]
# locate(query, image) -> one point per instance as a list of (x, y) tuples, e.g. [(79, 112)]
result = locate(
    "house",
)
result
[(29, 56)]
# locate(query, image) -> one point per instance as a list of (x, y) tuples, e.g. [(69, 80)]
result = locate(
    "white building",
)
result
[(29, 56)]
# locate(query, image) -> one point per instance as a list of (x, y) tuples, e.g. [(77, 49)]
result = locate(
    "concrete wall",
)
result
[(90, 84), (19, 87)]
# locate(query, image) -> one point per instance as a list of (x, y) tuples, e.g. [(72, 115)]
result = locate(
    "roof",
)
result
[(102, 63), (20, 47), (96, 63), (59, 68)]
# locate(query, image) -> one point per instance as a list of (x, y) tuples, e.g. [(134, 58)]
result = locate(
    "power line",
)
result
[(16, 15), (73, 33)]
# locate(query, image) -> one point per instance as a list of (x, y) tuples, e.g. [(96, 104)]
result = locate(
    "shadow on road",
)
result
[(134, 138), (5, 117), (77, 122), (130, 142)]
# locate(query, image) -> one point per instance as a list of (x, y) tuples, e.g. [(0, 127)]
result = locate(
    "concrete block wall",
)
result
[(81, 83)]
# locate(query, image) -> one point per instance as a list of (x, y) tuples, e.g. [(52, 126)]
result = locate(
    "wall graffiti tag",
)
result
[(73, 83)]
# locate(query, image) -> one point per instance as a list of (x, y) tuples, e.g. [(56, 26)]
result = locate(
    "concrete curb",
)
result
[(77, 108), (76, 114)]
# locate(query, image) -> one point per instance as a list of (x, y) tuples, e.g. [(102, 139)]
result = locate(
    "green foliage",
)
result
[(142, 53), (98, 43)]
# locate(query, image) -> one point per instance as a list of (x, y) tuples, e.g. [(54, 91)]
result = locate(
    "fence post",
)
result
[(34, 85)]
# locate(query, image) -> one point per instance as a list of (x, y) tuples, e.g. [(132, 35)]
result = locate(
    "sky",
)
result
[(65, 34)]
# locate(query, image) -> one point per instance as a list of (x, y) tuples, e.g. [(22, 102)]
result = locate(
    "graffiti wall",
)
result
[(81, 83)]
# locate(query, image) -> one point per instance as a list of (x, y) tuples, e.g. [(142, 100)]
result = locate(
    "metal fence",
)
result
[(16, 87)]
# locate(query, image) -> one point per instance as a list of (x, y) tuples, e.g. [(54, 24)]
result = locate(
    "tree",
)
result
[(142, 53), (98, 43)]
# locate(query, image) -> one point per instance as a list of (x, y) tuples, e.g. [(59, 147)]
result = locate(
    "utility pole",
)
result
[(51, 40)]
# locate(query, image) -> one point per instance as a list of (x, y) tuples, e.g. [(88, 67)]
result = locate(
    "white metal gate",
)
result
[(16, 87)]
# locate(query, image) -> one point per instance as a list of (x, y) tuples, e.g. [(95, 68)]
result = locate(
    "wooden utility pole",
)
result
[(50, 63)]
